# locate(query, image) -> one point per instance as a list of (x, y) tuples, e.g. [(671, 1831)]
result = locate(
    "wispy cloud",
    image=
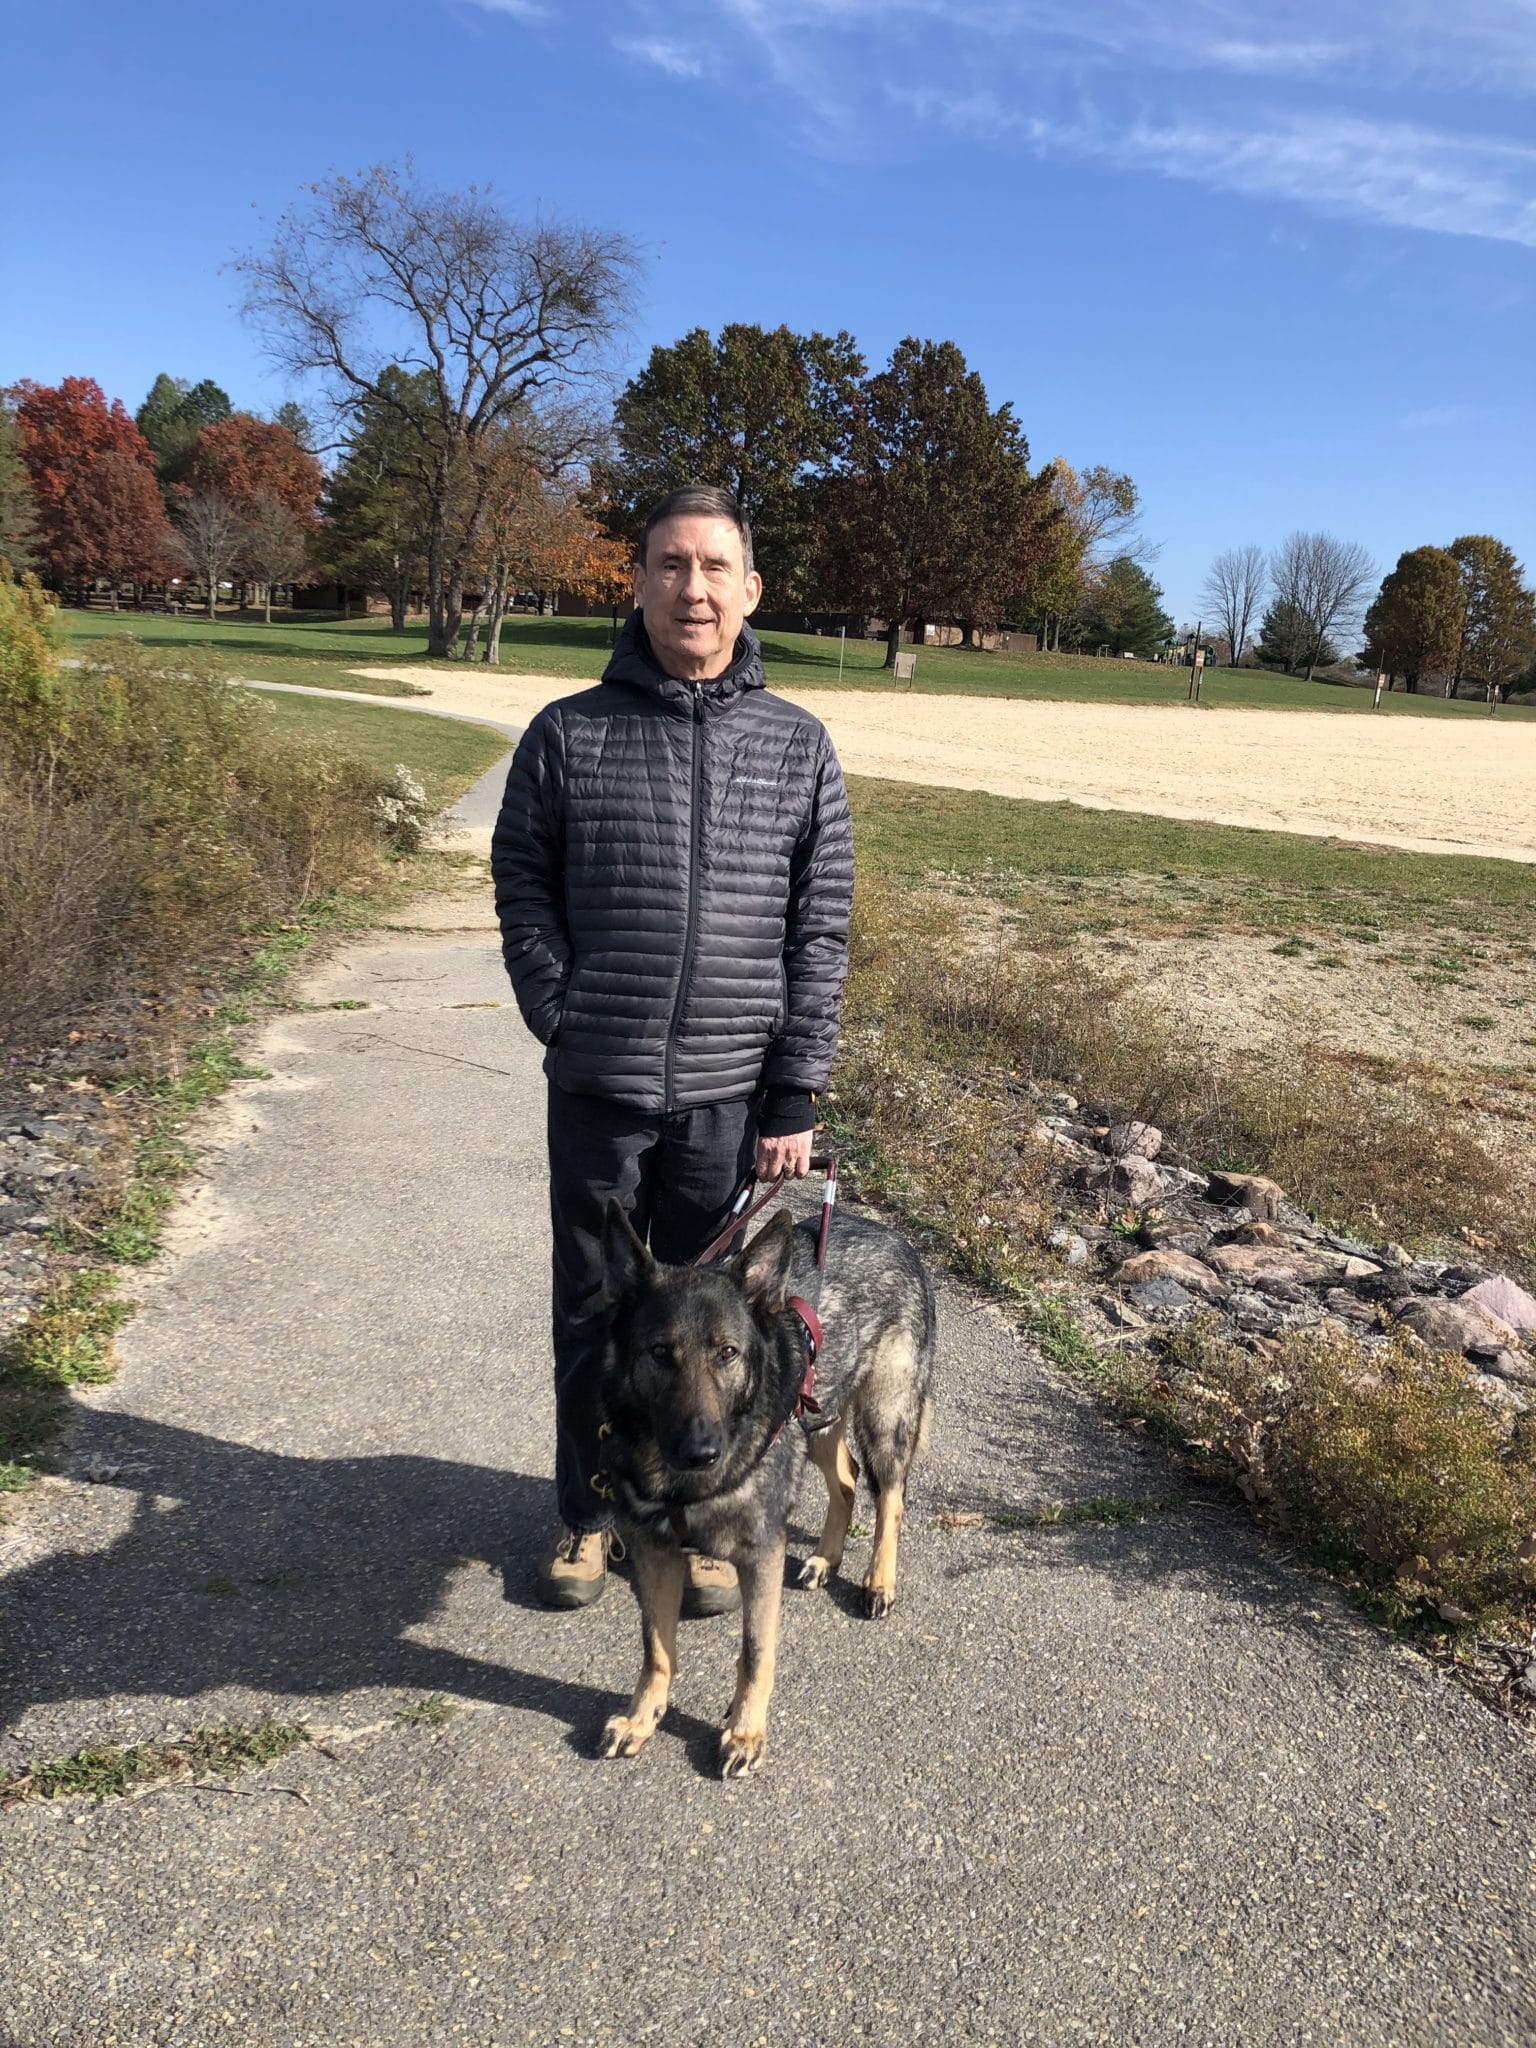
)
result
[(1277, 60), (520, 10), (1065, 79), (676, 59), (1392, 172), (1436, 418)]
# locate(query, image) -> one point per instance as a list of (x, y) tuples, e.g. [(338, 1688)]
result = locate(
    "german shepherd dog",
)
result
[(700, 1384)]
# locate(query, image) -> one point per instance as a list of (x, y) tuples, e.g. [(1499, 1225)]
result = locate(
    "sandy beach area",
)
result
[(1436, 785)]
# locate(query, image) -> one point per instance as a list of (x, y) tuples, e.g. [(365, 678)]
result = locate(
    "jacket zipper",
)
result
[(693, 897)]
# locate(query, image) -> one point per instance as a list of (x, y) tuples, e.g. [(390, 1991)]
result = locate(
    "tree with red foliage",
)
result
[(93, 481), (250, 460)]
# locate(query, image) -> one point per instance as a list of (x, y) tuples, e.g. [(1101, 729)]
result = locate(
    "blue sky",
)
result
[(1278, 264)]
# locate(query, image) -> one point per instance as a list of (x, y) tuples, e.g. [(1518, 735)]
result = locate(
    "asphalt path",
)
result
[(1141, 1783)]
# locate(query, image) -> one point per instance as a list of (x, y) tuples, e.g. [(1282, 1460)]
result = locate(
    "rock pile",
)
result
[(48, 1155), (1181, 1243)]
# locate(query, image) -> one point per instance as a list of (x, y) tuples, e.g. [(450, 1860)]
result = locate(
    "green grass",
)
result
[(109, 1770), (322, 651), (447, 753), (1009, 846)]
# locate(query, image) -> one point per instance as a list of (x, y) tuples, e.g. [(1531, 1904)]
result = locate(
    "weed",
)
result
[(232, 1748), (429, 1712), (1292, 948), (111, 1770), (220, 1584), (1477, 1023), (66, 1340), (1106, 1513)]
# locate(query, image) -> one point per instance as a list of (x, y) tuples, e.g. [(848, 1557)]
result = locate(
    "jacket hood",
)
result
[(634, 662)]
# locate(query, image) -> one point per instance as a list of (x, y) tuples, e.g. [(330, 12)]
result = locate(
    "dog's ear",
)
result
[(763, 1268), (627, 1265)]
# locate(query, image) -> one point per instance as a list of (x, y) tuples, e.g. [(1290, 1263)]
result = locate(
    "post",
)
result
[(1381, 679), (842, 642)]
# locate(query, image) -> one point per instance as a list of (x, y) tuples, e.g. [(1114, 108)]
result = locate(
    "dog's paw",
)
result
[(741, 1752), (624, 1737), (878, 1601), (814, 1574)]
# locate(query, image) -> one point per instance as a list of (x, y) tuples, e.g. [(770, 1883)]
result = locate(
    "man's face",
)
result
[(694, 593)]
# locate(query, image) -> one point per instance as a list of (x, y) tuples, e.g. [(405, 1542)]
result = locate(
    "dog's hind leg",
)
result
[(834, 1461), (891, 1417), (744, 1738), (659, 1583)]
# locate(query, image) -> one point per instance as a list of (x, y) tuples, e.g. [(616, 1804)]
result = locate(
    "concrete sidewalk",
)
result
[(1137, 1784)]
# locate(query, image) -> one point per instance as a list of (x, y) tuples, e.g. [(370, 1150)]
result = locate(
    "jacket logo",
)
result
[(753, 782)]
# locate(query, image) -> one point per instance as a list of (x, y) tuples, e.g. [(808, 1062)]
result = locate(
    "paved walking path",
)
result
[(1136, 1785)]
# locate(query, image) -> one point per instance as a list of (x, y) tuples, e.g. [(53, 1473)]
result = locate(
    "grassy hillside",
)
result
[(324, 651)]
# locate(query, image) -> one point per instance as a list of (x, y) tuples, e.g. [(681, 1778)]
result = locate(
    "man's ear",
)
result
[(627, 1265), (754, 592), (762, 1270)]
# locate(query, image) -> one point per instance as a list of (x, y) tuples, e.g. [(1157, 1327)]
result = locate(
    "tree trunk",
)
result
[(213, 596), (266, 606), (498, 613), (892, 640), (967, 632), (398, 598), (438, 637), (473, 635)]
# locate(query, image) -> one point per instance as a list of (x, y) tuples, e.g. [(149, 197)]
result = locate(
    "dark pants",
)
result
[(675, 1175)]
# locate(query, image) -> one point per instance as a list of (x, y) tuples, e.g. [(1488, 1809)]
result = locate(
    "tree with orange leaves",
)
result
[(250, 460), (93, 484)]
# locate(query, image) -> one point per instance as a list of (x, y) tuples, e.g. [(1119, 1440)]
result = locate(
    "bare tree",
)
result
[(276, 544), (1233, 592), (500, 314), (210, 536), (1322, 582)]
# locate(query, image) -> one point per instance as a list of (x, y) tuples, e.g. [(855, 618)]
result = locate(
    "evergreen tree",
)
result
[(1124, 612), (172, 416), (763, 415), (1286, 639)]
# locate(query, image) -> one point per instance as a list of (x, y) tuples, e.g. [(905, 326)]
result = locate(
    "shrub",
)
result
[(147, 820), (1390, 1464)]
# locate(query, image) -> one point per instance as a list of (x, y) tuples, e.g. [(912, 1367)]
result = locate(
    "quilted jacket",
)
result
[(674, 867)]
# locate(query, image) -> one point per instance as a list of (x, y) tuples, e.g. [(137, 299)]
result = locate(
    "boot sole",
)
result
[(699, 1605), (568, 1594)]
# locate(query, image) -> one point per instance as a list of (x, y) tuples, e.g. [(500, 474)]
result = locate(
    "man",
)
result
[(674, 868)]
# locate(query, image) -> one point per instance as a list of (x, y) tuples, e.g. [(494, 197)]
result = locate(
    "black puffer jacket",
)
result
[(674, 867)]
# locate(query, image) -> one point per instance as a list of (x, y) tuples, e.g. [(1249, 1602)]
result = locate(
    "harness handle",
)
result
[(744, 1208)]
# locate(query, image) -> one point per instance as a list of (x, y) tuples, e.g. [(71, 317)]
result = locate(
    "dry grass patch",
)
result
[(947, 1033)]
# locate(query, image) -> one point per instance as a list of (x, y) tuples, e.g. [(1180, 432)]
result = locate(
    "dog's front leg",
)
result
[(745, 1737), (659, 1583)]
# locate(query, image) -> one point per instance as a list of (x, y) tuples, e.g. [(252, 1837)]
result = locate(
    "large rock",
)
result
[(1064, 1149), (1250, 1191), (1190, 1273), (1134, 1181), (1145, 1141), (1259, 1233), (1501, 1299), (1278, 1261), (1450, 1326), (1176, 1234), (1162, 1298)]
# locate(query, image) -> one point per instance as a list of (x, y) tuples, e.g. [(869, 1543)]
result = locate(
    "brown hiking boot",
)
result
[(709, 1587), (577, 1572)]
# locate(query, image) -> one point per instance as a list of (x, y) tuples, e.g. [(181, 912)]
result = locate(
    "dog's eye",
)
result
[(726, 1353), (662, 1353)]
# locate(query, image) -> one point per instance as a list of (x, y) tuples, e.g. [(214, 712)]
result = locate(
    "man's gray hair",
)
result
[(698, 501)]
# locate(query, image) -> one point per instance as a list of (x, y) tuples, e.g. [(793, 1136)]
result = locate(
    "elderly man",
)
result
[(674, 868)]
